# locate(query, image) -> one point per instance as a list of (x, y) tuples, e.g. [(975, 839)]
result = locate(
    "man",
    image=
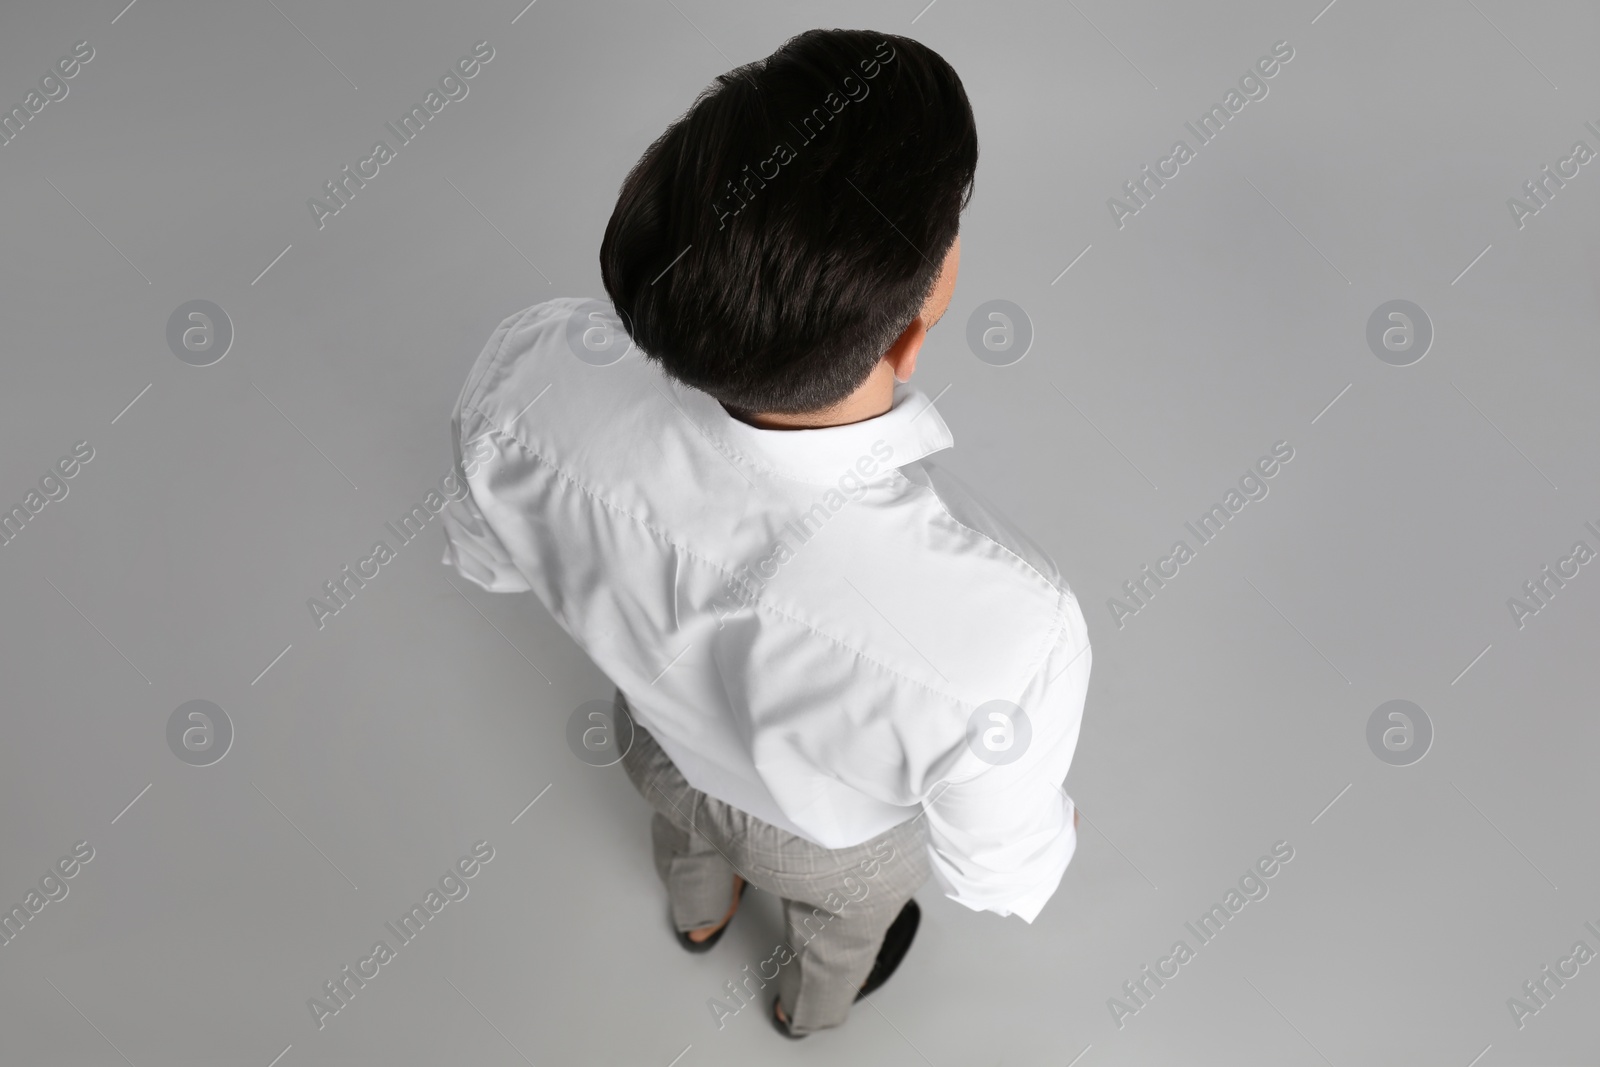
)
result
[(846, 672)]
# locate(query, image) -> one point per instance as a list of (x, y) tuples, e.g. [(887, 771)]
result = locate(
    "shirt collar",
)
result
[(911, 428)]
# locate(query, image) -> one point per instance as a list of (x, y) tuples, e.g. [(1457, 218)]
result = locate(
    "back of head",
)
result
[(776, 239)]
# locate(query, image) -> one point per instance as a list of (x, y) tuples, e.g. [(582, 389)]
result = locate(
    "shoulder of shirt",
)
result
[(1046, 604), (517, 336), (967, 509), (525, 350)]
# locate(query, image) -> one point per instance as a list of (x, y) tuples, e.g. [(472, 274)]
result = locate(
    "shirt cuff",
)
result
[(1002, 896)]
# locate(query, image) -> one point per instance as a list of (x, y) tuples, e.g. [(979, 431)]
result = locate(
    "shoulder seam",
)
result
[(1058, 615), (509, 325)]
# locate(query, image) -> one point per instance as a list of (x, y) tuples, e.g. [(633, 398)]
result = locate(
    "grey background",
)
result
[(1222, 718)]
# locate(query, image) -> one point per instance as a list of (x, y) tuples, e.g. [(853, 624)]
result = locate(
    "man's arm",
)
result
[(471, 545), (1000, 841)]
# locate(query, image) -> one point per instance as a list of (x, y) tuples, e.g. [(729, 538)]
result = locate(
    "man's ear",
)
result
[(902, 355)]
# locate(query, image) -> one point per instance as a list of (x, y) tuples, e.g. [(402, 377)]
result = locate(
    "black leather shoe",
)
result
[(896, 943), (705, 946)]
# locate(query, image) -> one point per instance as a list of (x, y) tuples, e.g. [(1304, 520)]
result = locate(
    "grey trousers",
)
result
[(837, 903)]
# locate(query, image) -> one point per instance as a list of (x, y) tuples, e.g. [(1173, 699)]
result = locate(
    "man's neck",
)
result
[(871, 398)]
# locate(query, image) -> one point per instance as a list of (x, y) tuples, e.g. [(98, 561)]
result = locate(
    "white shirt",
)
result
[(806, 620)]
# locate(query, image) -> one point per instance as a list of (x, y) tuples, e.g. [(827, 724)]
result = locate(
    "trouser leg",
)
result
[(699, 881), (698, 878), (835, 921), (836, 936)]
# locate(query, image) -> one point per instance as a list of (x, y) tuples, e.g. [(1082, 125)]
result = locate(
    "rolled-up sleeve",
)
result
[(1001, 839)]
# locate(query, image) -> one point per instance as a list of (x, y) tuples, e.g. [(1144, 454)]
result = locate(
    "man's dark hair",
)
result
[(770, 246)]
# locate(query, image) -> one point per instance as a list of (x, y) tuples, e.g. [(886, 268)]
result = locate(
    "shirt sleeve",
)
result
[(1001, 840), (471, 544)]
